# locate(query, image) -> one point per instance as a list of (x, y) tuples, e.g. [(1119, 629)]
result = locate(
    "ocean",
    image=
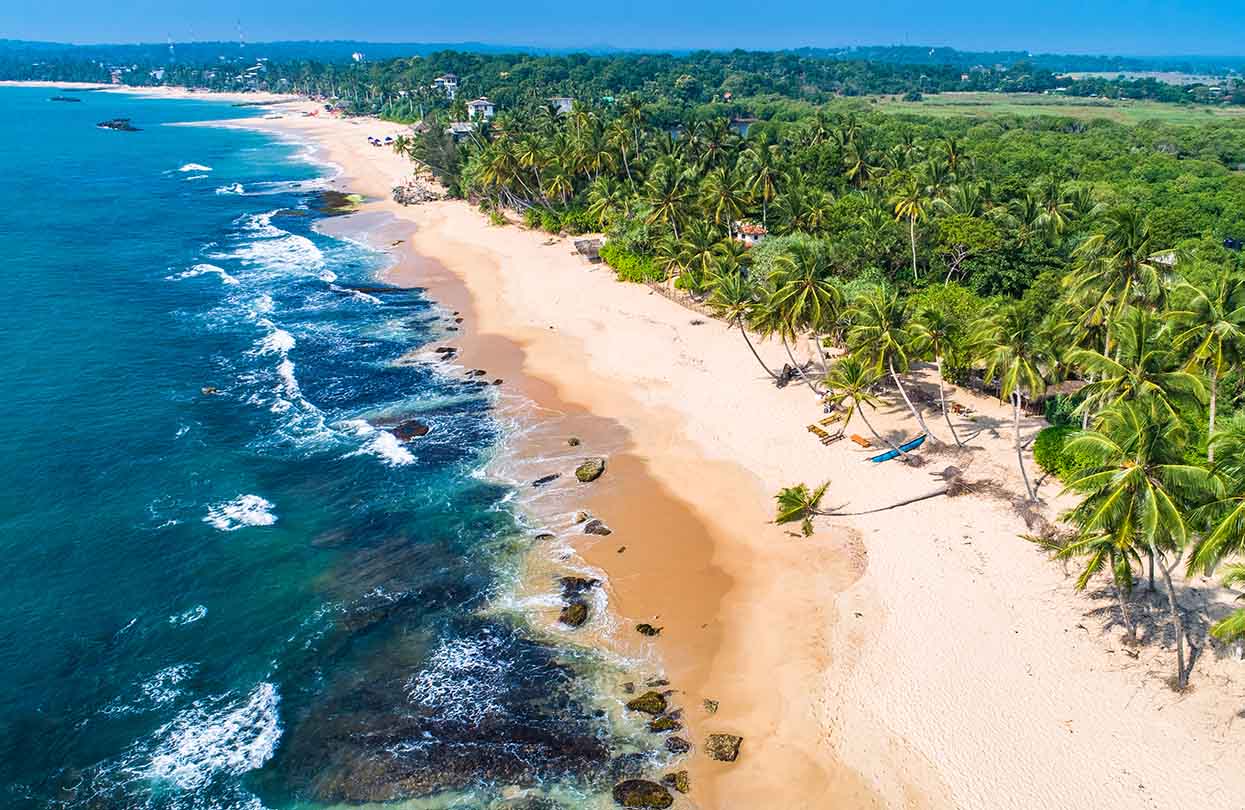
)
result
[(228, 583)]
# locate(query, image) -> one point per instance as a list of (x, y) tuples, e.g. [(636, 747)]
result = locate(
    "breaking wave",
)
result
[(195, 167), (204, 269), (242, 511)]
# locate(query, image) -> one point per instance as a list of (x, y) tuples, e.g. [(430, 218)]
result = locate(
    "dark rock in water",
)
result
[(532, 803), (546, 479), (663, 724), (642, 793), (573, 441), (574, 613), (209, 390), (477, 372), (629, 687), (64, 98), (545, 536), (451, 328), (445, 350), (723, 747), (679, 780), (576, 586), (711, 706), (497, 381), (677, 745), (458, 320), (590, 470), (628, 766), (410, 429), (595, 526), (118, 124), (646, 629), (650, 702), (656, 682), (332, 202)]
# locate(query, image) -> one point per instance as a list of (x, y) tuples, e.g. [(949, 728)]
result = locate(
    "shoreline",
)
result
[(920, 658)]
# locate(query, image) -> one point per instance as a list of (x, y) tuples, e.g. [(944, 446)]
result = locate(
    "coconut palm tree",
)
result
[(734, 298), (850, 383), (1225, 516), (764, 175), (911, 203), (1210, 332), (1143, 366), (669, 194), (1138, 496), (806, 297), (725, 197), (934, 335), (1015, 355), (800, 503), (880, 332), (1121, 262)]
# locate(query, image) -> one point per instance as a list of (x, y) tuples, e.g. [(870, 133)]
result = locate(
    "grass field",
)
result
[(990, 104)]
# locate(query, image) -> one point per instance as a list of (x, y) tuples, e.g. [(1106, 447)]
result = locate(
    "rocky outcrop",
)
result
[(576, 586), (663, 724), (646, 629), (595, 526), (410, 429), (118, 124), (573, 441), (679, 780), (643, 794), (723, 747), (574, 613), (546, 479), (413, 192), (590, 470), (650, 702), (677, 745)]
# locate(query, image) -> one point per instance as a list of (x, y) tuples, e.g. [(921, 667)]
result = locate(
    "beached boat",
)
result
[(906, 447)]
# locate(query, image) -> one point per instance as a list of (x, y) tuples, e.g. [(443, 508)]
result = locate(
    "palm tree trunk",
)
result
[(1210, 430), (1182, 677), (821, 350), (1128, 621), (799, 368), (625, 164), (912, 237), (888, 507), (942, 399), (747, 340), (1020, 458), (903, 393), (877, 435)]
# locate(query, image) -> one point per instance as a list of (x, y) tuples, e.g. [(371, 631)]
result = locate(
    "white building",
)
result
[(563, 104), (481, 108), (447, 84)]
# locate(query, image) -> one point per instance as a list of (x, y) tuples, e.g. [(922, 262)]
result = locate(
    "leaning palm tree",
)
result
[(1225, 516), (850, 383), (800, 503), (734, 298), (934, 335), (880, 331), (1211, 332), (1015, 355), (806, 296), (1138, 495)]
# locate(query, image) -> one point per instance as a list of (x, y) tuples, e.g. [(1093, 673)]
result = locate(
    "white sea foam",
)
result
[(277, 341), (242, 511), (380, 443), (288, 381), (465, 679), (195, 177), (190, 616), (204, 269), (232, 188), (358, 295), (195, 167), (160, 689), (217, 737)]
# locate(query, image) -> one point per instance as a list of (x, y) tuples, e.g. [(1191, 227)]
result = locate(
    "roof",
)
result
[(480, 102), (750, 229)]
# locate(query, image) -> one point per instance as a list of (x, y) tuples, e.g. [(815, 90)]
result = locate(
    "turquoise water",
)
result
[(257, 596)]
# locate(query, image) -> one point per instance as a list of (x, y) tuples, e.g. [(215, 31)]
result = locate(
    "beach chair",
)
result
[(831, 419), (831, 439), (861, 440)]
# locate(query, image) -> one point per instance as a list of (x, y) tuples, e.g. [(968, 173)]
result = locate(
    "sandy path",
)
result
[(921, 657)]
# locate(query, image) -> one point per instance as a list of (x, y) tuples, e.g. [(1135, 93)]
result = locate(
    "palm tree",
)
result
[(618, 135), (934, 335), (1121, 262), (762, 160), (880, 331), (734, 298), (1138, 496), (1225, 516), (805, 296), (607, 197), (725, 197), (1211, 331), (1014, 354), (1144, 367), (911, 203), (668, 193), (851, 382), (800, 503), (1057, 210)]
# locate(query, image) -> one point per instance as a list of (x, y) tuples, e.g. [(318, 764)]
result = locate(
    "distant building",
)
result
[(742, 125), (459, 130), (447, 84), (563, 103), (748, 232), (481, 109)]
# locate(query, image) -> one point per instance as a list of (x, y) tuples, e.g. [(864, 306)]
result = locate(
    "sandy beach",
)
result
[(920, 657)]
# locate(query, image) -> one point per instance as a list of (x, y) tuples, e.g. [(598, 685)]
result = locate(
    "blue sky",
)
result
[(1081, 26)]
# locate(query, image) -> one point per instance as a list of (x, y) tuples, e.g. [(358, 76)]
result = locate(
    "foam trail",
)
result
[(204, 269), (232, 188), (195, 167), (381, 444)]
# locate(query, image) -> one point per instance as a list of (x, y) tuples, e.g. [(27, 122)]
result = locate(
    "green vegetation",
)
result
[(1080, 108)]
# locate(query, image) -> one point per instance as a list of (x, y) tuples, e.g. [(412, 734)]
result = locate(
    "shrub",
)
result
[(550, 222), (630, 266), (1051, 453), (531, 217), (1059, 409), (576, 221), (497, 218)]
